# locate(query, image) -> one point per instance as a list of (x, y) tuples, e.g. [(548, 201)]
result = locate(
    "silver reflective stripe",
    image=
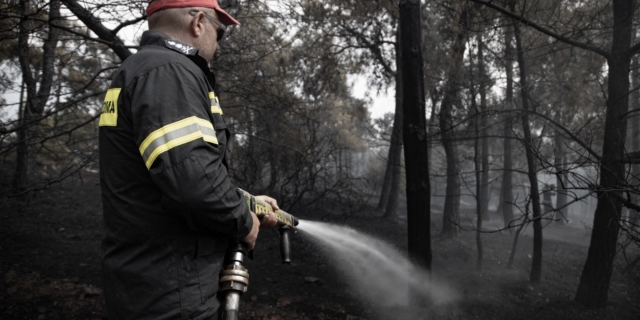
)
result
[(175, 134)]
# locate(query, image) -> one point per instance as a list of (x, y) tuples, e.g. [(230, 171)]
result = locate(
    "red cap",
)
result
[(224, 17)]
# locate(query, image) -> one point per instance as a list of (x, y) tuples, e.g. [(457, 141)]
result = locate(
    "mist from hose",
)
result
[(375, 269)]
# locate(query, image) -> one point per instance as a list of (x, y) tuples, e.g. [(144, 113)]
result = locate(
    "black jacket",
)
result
[(170, 210)]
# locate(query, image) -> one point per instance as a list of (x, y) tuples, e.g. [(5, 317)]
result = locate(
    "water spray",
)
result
[(234, 278), (379, 273)]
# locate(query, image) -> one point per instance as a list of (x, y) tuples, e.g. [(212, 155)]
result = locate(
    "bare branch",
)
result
[(93, 23), (128, 23), (546, 31)]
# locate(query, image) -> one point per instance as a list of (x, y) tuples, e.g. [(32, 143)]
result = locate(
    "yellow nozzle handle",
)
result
[(261, 208)]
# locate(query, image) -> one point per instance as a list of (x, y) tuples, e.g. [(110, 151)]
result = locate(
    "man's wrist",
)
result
[(248, 224)]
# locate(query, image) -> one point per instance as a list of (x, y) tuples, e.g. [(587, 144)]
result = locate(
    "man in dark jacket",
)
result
[(170, 210)]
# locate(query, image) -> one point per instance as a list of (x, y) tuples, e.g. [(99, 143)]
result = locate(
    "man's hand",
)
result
[(269, 221), (250, 239)]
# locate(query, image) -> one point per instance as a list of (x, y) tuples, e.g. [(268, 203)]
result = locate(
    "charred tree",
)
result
[(536, 263), (484, 177), (386, 181), (635, 137), (477, 161), (415, 135), (432, 124), (451, 214), (505, 206), (37, 94), (395, 150), (596, 275)]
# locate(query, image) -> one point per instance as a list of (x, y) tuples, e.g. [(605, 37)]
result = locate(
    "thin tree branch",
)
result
[(128, 23), (93, 23), (546, 31)]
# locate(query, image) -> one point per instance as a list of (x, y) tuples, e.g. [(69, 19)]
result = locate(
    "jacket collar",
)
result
[(157, 38)]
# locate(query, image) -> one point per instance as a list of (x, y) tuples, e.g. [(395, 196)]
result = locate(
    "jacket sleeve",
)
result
[(171, 108)]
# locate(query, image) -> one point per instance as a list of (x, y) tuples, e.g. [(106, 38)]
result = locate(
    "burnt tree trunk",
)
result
[(505, 206), (484, 179), (635, 137), (450, 213), (536, 263), (36, 98), (415, 135), (395, 151), (431, 128), (477, 161), (386, 181), (596, 275)]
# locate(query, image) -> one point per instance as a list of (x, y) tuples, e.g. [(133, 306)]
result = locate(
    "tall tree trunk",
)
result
[(36, 97), (451, 210), (388, 171), (484, 180), (431, 127), (561, 213), (395, 156), (477, 161), (596, 275), (450, 213), (635, 136), (536, 263), (23, 157), (415, 135), (507, 163)]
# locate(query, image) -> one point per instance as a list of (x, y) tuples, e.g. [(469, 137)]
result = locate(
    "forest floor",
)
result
[(50, 269)]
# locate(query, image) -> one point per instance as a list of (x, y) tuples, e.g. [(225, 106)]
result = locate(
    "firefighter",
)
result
[(170, 210)]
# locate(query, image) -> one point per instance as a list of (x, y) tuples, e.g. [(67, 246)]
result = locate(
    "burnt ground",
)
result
[(49, 269)]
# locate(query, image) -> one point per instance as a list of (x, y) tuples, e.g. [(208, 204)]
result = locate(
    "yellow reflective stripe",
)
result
[(215, 104), (216, 109), (175, 134), (210, 138)]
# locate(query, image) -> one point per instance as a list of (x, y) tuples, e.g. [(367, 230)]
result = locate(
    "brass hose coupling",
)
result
[(234, 277)]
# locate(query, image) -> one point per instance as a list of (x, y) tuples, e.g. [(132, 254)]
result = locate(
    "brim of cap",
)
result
[(226, 18)]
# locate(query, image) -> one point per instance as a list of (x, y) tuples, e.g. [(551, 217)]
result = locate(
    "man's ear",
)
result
[(197, 27)]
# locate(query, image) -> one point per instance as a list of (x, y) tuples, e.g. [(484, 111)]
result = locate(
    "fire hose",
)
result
[(234, 278)]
